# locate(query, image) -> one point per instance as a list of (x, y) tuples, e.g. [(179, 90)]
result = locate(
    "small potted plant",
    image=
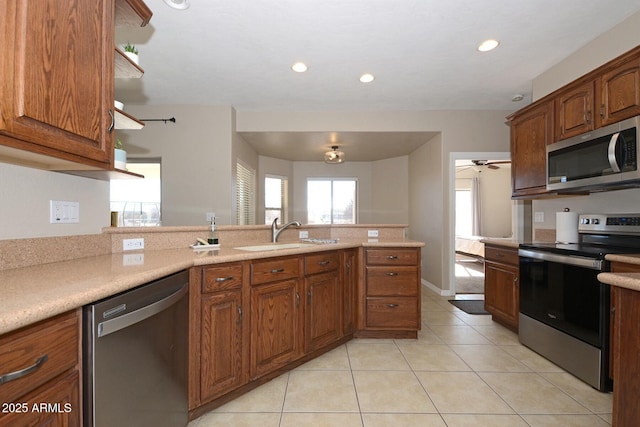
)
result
[(119, 155), (132, 52)]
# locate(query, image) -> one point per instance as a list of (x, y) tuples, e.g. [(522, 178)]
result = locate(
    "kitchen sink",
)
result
[(274, 246)]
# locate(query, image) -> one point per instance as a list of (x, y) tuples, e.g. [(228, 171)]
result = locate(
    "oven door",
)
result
[(563, 292)]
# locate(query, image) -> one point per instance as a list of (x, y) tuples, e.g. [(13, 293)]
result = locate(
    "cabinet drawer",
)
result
[(319, 263), (392, 281), (221, 278), (54, 342), (393, 313), (503, 255), (392, 256), (273, 270)]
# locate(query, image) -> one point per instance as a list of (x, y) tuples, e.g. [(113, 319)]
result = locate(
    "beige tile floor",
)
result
[(463, 370)]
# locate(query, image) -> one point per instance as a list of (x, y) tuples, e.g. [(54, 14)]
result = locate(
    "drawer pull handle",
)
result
[(392, 305), (277, 270), (223, 279), (324, 262), (392, 256), (392, 274), (23, 372)]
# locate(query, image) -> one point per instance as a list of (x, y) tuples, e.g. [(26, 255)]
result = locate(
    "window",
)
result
[(137, 201), (245, 193), (331, 201), (276, 190)]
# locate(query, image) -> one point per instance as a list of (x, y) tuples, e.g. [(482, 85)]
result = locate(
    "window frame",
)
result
[(332, 180), (284, 198)]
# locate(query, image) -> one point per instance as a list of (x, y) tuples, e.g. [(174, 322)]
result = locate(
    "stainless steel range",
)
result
[(564, 309)]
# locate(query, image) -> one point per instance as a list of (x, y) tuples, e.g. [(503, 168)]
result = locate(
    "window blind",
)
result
[(245, 195)]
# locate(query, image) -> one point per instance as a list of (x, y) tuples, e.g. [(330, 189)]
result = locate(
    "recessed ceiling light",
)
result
[(488, 45), (178, 4), (517, 97), (367, 78), (299, 67)]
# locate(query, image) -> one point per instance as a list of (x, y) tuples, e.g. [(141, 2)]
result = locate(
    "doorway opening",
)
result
[(481, 207)]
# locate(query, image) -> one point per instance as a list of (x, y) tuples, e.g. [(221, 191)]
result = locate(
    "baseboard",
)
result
[(437, 290)]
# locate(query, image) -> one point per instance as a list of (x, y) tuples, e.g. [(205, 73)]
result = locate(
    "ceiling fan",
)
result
[(478, 164)]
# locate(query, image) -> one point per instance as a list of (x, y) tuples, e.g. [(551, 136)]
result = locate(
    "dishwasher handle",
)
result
[(110, 326)]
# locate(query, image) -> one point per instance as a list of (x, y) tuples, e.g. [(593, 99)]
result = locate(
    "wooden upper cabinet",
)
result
[(531, 131), (619, 90), (57, 84), (574, 109)]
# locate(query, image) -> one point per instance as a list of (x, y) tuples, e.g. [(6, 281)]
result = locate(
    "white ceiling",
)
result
[(423, 53)]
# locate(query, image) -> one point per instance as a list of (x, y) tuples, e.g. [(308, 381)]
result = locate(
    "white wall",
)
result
[(390, 191), (196, 155), (24, 202), (609, 45), (620, 39)]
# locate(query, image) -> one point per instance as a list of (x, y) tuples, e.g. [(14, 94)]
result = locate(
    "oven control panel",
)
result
[(625, 223)]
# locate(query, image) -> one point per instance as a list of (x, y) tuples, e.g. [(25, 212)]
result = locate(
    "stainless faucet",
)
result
[(275, 231)]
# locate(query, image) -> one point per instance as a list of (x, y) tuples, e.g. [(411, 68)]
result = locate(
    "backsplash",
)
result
[(620, 201)]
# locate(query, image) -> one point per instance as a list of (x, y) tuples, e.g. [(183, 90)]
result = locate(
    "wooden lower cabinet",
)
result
[(501, 285), (251, 320), (389, 298), (349, 283), (221, 344), (52, 349), (275, 326), (322, 318), (626, 357), (218, 330)]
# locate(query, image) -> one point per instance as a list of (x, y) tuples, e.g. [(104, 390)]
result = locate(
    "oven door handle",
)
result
[(578, 261)]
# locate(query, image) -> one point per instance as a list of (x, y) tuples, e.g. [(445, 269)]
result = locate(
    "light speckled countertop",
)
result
[(623, 280), (31, 294)]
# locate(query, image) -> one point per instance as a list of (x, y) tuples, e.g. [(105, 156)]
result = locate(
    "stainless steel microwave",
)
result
[(601, 160)]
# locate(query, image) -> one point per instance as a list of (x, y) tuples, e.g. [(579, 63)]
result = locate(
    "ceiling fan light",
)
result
[(334, 156)]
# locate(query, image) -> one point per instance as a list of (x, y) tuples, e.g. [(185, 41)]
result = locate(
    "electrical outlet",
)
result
[(133, 259), (303, 234), (210, 216), (372, 233), (132, 244), (538, 217), (61, 212)]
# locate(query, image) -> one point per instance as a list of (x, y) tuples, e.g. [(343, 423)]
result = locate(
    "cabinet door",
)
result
[(57, 404), (56, 89), (502, 292), (530, 134), (221, 360), (275, 326), (349, 282), (575, 111), (620, 92), (322, 312), (626, 411)]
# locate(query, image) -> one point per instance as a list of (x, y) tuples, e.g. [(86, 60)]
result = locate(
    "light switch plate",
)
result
[(303, 234), (372, 233), (63, 212), (132, 244), (538, 217)]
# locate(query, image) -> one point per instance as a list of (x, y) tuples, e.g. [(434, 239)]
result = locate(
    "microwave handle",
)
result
[(612, 152)]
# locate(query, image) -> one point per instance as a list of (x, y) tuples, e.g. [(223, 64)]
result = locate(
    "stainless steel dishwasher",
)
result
[(135, 356)]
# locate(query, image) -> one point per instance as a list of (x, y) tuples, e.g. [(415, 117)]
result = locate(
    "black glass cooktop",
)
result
[(591, 245)]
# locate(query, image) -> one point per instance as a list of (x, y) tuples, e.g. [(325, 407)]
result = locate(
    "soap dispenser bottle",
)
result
[(213, 240)]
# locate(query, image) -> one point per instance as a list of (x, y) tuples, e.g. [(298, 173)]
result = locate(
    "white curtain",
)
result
[(476, 208)]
